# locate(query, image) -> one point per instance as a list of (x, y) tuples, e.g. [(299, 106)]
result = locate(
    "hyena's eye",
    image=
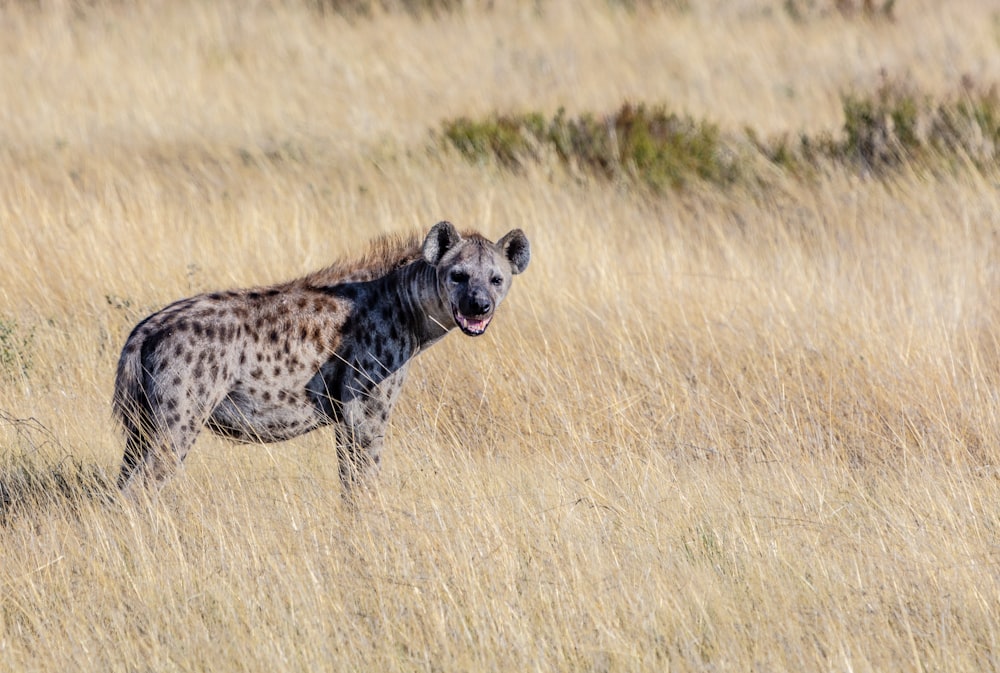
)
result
[(458, 276), (497, 281)]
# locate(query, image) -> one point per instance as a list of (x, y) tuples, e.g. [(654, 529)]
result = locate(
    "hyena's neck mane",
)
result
[(385, 255)]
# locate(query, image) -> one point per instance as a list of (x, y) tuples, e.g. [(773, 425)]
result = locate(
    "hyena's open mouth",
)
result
[(473, 326)]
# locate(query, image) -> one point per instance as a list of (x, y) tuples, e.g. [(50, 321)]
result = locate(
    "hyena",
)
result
[(271, 363)]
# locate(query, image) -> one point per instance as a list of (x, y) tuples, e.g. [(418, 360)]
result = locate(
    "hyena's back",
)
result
[(239, 362)]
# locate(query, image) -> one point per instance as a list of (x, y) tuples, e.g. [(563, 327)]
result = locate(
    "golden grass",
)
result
[(708, 432)]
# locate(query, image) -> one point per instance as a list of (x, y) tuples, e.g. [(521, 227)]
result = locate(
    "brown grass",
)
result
[(708, 431)]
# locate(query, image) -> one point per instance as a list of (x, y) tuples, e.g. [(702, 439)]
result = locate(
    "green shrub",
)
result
[(894, 126), (648, 145), (664, 149), (970, 126), (651, 146), (882, 130), (509, 140)]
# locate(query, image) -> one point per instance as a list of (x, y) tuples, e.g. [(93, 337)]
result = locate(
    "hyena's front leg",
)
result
[(361, 432), (360, 438)]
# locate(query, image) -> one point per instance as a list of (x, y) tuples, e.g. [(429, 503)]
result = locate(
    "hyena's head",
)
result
[(474, 274)]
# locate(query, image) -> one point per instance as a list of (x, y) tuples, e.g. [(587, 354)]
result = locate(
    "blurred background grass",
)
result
[(743, 426)]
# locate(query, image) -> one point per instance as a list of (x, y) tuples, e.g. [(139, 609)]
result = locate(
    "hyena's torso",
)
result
[(270, 364)]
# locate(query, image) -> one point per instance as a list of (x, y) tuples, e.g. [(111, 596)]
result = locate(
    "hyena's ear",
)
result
[(514, 246), (440, 239)]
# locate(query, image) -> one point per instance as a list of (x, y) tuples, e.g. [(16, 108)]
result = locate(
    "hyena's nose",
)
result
[(476, 305)]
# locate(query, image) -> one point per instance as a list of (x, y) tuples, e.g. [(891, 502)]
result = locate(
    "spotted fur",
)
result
[(268, 364)]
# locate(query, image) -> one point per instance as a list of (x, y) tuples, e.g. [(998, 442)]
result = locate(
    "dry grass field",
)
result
[(713, 430)]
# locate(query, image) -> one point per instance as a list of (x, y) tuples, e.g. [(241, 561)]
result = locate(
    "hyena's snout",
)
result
[(476, 303), (474, 310)]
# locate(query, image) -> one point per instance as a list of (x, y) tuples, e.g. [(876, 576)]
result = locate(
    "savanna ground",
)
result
[(717, 427)]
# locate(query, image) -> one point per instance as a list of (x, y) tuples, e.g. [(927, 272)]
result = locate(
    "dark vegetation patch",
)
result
[(30, 482), (366, 8), (896, 125), (886, 129), (798, 10), (650, 145), (873, 10), (16, 349), (421, 8)]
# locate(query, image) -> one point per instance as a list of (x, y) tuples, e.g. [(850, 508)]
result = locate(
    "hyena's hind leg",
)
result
[(151, 458), (157, 442), (138, 435)]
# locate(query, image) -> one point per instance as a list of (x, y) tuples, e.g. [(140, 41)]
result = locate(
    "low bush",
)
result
[(648, 145)]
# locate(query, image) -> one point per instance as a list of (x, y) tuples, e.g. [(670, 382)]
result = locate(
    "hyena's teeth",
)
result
[(477, 325)]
